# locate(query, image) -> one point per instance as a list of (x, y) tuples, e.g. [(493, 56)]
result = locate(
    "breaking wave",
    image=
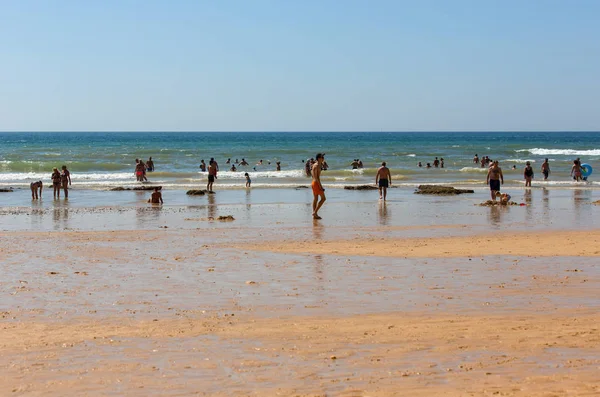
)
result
[(562, 152)]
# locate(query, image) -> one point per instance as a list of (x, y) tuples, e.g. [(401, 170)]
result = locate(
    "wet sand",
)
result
[(229, 309)]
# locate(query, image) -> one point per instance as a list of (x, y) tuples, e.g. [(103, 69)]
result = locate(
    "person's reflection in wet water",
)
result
[(248, 200), (384, 214), (212, 206), (319, 265), (582, 197), (61, 215), (317, 230), (529, 209), (148, 216), (319, 270), (546, 201), (495, 215)]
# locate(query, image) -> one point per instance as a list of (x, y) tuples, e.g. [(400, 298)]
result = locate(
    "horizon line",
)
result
[(297, 131)]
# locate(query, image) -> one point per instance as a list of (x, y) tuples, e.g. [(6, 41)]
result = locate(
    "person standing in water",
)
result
[(56, 182), (212, 172), (494, 179), (383, 179), (317, 187), (150, 165), (546, 169), (65, 179), (576, 170), (528, 174)]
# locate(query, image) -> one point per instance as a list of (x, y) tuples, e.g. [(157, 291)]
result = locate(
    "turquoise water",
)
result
[(105, 160)]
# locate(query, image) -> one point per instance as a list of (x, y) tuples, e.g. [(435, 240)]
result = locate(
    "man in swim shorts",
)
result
[(212, 172), (317, 187), (494, 179), (383, 179), (546, 169)]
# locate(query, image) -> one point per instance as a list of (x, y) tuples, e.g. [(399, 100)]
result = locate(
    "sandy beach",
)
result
[(172, 312), (300, 199)]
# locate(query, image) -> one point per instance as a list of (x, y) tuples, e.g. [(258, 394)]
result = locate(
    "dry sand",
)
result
[(91, 319)]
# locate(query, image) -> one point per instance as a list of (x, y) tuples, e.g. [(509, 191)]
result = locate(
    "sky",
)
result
[(299, 65)]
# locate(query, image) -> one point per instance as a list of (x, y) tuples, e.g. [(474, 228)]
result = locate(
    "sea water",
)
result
[(101, 161)]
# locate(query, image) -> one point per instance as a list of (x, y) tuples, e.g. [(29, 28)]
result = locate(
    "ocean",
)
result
[(101, 161)]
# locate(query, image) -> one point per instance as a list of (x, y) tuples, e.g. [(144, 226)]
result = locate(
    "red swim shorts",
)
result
[(316, 187)]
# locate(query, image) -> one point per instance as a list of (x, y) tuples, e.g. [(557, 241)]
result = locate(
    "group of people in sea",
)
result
[(237, 163), (495, 178), (437, 163), (356, 164), (485, 161), (213, 170), (60, 180), (141, 168)]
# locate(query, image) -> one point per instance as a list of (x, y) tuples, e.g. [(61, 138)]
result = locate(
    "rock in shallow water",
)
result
[(196, 192), (361, 187), (441, 190), (121, 188)]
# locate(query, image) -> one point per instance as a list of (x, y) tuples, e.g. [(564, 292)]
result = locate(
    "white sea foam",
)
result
[(518, 161), (473, 169), (565, 183), (563, 152), (258, 174), (411, 155), (34, 176)]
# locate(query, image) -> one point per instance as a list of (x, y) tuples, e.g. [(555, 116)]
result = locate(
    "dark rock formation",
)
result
[(120, 188), (441, 190), (361, 187), (196, 192)]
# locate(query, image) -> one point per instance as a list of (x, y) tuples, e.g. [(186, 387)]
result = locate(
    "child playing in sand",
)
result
[(248, 181), (504, 198), (156, 196)]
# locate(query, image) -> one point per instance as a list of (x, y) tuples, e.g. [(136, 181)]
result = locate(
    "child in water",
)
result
[(528, 174), (504, 198), (248, 181), (156, 197)]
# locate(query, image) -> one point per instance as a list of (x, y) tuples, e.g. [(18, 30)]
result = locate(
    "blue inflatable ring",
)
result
[(586, 170)]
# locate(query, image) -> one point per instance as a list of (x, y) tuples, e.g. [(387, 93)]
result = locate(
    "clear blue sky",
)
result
[(279, 65)]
